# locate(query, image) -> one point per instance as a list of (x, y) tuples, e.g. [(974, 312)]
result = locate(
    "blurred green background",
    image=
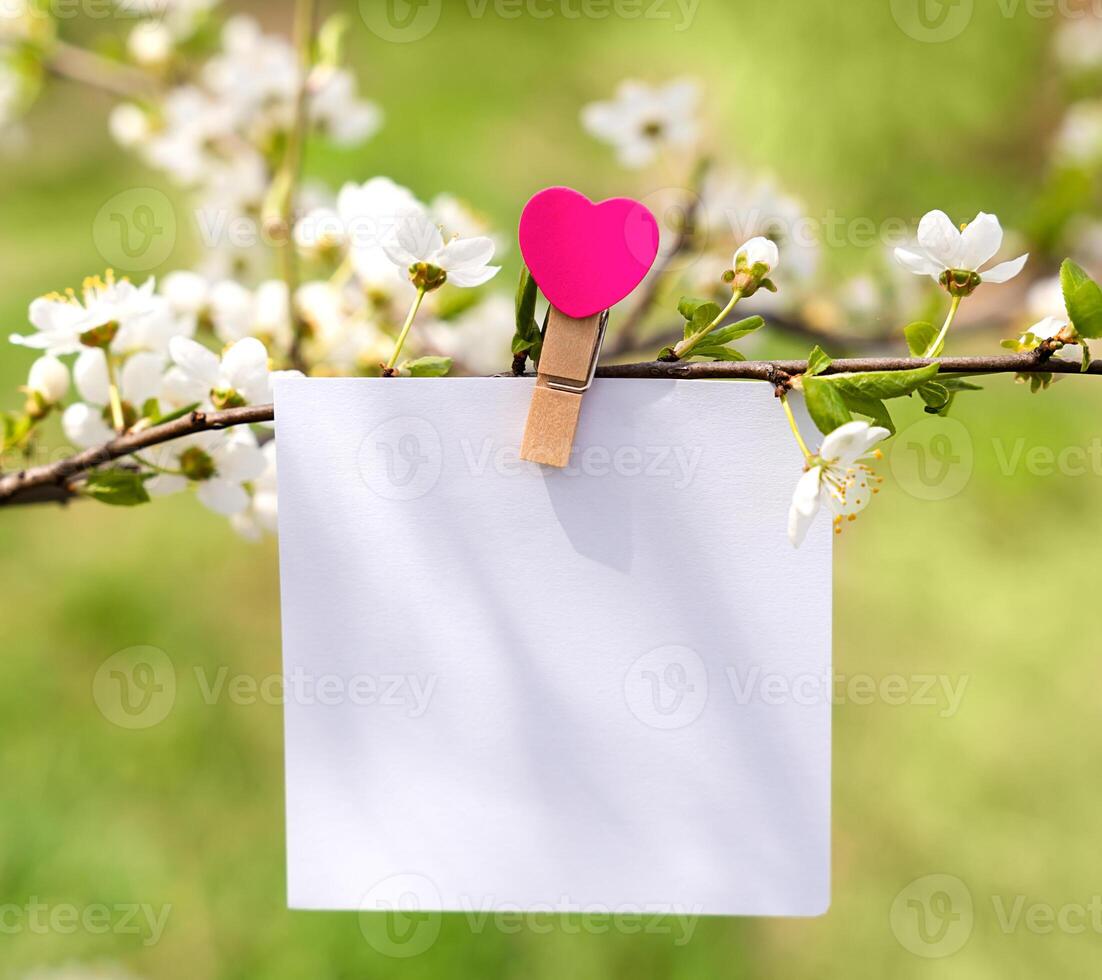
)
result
[(980, 589)]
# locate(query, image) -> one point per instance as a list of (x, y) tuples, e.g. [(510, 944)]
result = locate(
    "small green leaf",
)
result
[(119, 488), (690, 304), (817, 362), (703, 317), (427, 367), (882, 384), (872, 408), (957, 384), (920, 336), (151, 409), (733, 331), (178, 414), (1083, 299), (718, 353), (825, 404), (528, 338)]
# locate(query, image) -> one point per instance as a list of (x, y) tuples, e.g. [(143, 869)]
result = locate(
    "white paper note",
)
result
[(513, 687)]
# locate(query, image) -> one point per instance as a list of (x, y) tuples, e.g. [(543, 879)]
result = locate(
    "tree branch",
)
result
[(88, 68), (58, 482)]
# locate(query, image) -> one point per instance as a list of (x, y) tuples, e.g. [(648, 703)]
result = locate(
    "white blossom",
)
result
[(239, 377), (642, 119), (758, 251), (479, 337), (259, 516), (221, 465), (150, 43), (465, 260), (1079, 138), (943, 248), (838, 477), (370, 213), (61, 320), (87, 423), (264, 312), (49, 379), (340, 113)]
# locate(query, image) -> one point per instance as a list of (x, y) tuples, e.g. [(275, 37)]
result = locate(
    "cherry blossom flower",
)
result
[(237, 312), (239, 377), (109, 312), (955, 258), (260, 514), (370, 213), (221, 465), (87, 423), (339, 112), (48, 380), (838, 477), (420, 248), (479, 337), (642, 119)]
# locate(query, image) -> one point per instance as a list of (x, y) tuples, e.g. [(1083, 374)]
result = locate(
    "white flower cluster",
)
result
[(220, 133), (137, 362)]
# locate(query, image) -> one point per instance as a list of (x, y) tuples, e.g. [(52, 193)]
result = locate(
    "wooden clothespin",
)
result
[(585, 257), (571, 347)]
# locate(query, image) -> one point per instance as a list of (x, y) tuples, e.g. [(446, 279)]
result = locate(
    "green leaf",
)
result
[(882, 384), (817, 362), (872, 408), (1083, 298), (690, 304), (733, 331), (703, 317), (718, 353), (427, 367), (528, 339), (958, 384), (16, 427), (119, 488), (919, 337), (178, 414), (825, 404), (151, 409)]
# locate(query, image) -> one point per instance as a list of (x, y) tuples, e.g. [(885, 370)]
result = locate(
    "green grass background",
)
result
[(994, 585)]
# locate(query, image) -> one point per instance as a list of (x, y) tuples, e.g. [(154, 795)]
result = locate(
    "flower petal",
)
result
[(198, 363), (477, 277), (939, 237), (84, 426), (979, 241), (141, 378), (847, 443), (805, 505), (920, 265), (1005, 270), (222, 496), (90, 376), (469, 254)]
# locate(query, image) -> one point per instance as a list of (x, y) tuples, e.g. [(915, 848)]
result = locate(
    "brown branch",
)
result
[(279, 210), (88, 68), (60, 481), (57, 481)]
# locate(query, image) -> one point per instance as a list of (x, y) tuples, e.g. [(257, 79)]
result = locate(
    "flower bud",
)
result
[(753, 262), (49, 379), (150, 43)]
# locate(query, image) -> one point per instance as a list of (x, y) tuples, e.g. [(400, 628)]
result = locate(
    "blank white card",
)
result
[(518, 688)]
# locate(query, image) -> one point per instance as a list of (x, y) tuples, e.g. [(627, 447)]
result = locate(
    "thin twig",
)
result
[(280, 207), (88, 68), (60, 481)]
